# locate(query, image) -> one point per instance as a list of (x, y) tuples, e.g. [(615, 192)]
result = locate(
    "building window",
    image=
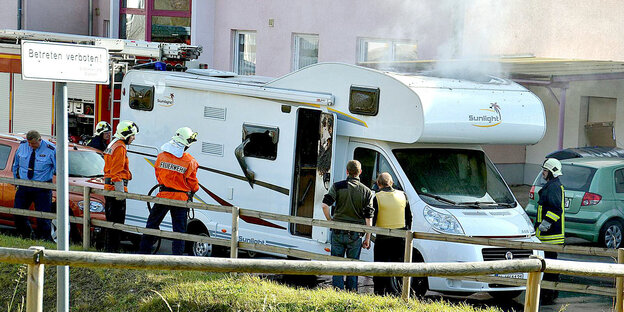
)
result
[(244, 52), (305, 50), (156, 20), (106, 29), (386, 50)]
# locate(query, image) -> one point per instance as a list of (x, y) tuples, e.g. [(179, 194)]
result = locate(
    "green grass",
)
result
[(146, 290)]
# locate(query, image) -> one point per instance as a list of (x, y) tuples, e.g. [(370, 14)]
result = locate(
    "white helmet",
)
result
[(125, 129), (553, 165), (102, 127), (186, 136)]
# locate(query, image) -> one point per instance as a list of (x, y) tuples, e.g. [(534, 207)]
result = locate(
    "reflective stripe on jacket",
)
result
[(550, 207), (177, 173), (116, 164)]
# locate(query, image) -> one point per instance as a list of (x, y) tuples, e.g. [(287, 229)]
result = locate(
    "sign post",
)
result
[(62, 63)]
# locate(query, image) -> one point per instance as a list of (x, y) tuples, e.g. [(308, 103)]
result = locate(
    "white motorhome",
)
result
[(277, 145)]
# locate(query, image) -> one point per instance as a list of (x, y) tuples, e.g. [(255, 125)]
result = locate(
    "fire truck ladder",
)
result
[(124, 54)]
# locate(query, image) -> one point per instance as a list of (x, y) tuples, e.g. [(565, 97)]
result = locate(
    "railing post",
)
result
[(34, 284), (234, 239), (86, 219), (531, 299), (407, 280), (619, 285)]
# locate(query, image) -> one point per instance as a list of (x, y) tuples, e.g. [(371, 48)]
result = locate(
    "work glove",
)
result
[(544, 226), (119, 187)]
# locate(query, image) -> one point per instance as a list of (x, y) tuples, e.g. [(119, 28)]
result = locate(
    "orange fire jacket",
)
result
[(116, 164), (176, 173)]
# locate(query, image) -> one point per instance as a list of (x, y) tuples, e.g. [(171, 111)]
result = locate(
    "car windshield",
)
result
[(86, 164), (455, 178), (574, 178)]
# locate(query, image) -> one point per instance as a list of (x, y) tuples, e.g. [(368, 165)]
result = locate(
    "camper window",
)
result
[(373, 163), (141, 97), (262, 141), (364, 101)]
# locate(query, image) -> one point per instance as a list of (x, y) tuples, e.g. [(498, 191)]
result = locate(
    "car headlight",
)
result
[(95, 206), (442, 222)]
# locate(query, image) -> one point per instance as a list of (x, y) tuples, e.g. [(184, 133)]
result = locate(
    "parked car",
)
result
[(593, 201), (86, 166)]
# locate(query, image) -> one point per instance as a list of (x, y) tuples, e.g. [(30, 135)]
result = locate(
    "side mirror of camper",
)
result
[(240, 156)]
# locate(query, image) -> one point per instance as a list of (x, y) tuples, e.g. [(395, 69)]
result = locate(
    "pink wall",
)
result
[(63, 16), (338, 24)]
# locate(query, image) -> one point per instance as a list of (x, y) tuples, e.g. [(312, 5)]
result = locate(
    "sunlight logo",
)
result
[(166, 101), (488, 117)]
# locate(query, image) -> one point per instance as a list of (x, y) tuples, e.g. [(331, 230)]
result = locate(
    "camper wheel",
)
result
[(195, 248)]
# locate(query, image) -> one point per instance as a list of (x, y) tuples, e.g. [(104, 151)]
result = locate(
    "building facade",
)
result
[(273, 38)]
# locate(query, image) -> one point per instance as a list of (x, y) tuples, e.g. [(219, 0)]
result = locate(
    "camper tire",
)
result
[(201, 249)]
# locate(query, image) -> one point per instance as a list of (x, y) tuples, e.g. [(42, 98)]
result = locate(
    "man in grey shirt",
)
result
[(354, 204)]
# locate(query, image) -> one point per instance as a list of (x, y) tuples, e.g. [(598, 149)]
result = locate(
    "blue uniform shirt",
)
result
[(45, 161)]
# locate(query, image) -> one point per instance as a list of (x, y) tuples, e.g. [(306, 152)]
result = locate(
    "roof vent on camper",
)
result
[(212, 73)]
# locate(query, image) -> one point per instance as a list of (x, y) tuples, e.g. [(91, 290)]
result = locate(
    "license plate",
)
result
[(566, 202), (511, 275)]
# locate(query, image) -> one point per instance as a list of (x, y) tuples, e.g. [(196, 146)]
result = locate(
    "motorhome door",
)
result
[(314, 150)]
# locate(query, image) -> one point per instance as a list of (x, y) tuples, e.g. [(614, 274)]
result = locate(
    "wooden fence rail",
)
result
[(235, 245)]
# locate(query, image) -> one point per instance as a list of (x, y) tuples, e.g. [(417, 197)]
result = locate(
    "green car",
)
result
[(594, 199)]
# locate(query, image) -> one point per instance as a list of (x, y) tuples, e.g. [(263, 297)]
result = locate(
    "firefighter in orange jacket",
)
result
[(176, 172), (116, 177)]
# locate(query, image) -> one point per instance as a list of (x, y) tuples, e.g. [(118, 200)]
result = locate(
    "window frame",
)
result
[(252, 129), (149, 11), (152, 97), (362, 51), (296, 48), (235, 52)]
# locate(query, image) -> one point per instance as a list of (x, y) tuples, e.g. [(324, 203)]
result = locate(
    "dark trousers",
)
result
[(42, 198), (548, 295), (350, 244), (178, 220), (387, 249), (115, 211)]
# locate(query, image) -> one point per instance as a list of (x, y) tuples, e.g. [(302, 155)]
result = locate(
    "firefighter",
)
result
[(176, 172), (550, 221), (116, 177), (102, 136)]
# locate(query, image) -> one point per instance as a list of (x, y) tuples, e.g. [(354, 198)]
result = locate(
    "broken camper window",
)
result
[(141, 97), (262, 141), (364, 101)]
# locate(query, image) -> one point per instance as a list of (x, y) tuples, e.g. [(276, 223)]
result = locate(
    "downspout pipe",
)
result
[(562, 104), (90, 32), (19, 14)]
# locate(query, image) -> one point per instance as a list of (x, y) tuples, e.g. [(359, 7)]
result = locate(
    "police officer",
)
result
[(550, 221), (176, 172), (34, 160), (102, 136), (116, 176)]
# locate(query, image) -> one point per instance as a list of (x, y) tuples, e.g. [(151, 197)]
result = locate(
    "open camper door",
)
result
[(324, 169), (314, 151)]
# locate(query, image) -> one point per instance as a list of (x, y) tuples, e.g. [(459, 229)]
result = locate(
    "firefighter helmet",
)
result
[(553, 165), (186, 136), (125, 129), (102, 127)]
